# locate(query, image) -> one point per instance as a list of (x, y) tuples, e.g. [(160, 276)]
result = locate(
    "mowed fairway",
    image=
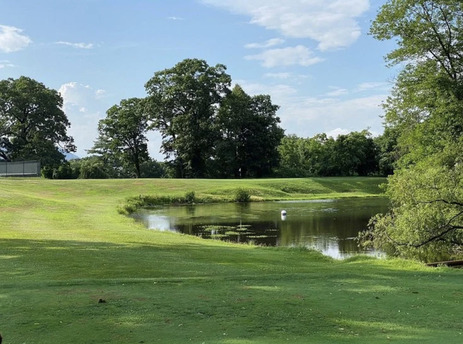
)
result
[(73, 270)]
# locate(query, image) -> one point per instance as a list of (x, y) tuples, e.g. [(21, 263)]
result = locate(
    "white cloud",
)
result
[(5, 64), (310, 116), (331, 23), (336, 132), (267, 44), (77, 45), (100, 93), (336, 92), (279, 93), (278, 75), (307, 116), (175, 18), (12, 40), (289, 56), (84, 109), (373, 85)]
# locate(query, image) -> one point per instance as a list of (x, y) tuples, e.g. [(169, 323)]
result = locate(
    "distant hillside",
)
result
[(70, 156)]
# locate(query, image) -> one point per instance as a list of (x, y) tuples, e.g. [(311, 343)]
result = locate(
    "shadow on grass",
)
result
[(50, 292)]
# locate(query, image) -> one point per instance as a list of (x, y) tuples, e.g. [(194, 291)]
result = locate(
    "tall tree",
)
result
[(388, 152), (354, 154), (32, 122), (425, 109), (429, 90), (249, 135), (292, 151), (183, 102), (122, 136)]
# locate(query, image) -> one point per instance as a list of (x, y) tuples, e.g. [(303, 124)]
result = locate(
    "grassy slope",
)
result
[(63, 247)]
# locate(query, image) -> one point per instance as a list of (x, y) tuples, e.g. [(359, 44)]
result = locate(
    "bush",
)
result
[(93, 168), (190, 197), (47, 172), (242, 196)]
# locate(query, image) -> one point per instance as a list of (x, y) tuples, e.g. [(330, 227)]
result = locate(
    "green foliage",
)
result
[(122, 141), (242, 195), (153, 169), (93, 168), (182, 101), (426, 221), (428, 93), (249, 135), (32, 123), (132, 204), (352, 154), (190, 197), (208, 130), (424, 112), (65, 171), (388, 153), (47, 172)]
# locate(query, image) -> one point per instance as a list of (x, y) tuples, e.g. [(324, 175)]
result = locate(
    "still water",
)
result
[(329, 226)]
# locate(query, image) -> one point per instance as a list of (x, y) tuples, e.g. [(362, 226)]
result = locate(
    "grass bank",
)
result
[(72, 270)]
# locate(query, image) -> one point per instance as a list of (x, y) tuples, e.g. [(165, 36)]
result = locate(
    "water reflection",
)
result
[(330, 226)]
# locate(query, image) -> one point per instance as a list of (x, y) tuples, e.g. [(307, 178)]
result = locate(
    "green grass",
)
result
[(63, 247)]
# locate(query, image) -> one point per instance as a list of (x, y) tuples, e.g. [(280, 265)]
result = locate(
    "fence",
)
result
[(20, 169)]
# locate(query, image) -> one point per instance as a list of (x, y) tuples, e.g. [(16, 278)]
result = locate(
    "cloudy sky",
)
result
[(314, 57)]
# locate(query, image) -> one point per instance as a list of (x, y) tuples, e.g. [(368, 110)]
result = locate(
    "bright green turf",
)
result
[(63, 246)]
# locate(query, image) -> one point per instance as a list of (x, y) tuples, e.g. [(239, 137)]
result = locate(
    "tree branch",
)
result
[(434, 237), (459, 204), (450, 72)]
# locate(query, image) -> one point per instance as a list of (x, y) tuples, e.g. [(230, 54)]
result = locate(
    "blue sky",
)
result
[(313, 57)]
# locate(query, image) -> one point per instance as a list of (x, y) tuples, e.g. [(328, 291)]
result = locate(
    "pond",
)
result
[(329, 226)]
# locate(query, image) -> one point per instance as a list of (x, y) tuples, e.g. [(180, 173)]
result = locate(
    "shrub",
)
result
[(242, 196), (190, 197)]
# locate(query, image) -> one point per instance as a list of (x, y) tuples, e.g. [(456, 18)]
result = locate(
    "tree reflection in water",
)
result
[(329, 226)]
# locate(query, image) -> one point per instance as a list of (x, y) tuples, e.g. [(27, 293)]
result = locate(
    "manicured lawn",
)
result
[(63, 247)]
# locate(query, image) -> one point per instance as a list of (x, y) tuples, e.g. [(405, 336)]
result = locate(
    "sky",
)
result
[(314, 58)]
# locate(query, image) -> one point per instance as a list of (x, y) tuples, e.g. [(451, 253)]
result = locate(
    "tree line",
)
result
[(353, 154), (208, 129)]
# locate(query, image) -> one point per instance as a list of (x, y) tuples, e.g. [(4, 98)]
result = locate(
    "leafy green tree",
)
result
[(351, 154), (65, 171), (264, 136), (32, 123), (388, 152), (319, 155), (426, 221), (183, 103), (292, 152), (425, 109), (305, 157), (94, 167), (122, 136), (429, 90), (249, 135), (153, 169), (354, 154)]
